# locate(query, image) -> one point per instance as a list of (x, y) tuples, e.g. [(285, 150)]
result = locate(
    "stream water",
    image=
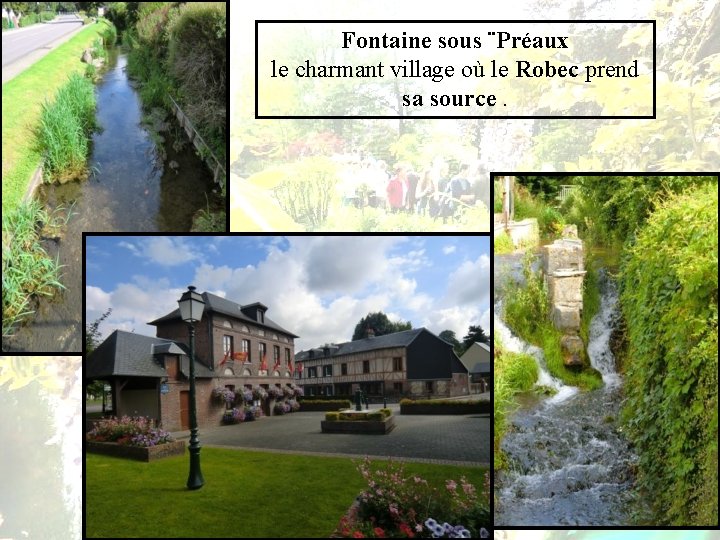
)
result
[(569, 463), (131, 190)]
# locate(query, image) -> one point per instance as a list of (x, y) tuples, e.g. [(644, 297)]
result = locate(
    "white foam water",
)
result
[(601, 327)]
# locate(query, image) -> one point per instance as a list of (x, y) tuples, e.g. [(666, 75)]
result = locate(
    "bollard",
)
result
[(358, 406)]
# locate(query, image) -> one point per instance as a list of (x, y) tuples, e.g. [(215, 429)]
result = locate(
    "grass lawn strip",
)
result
[(246, 494), (21, 104)]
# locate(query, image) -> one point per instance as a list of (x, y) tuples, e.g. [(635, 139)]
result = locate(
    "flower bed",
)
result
[(150, 453), (375, 422), (447, 406), (136, 438), (396, 505)]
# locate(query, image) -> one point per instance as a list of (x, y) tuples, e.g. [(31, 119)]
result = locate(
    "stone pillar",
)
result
[(564, 268)]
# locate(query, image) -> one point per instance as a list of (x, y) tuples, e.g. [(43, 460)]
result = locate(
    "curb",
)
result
[(35, 181)]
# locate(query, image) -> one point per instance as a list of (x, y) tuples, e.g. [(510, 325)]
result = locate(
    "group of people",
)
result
[(433, 191)]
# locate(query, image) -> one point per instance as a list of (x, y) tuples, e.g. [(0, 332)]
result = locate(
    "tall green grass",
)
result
[(26, 269), (65, 127)]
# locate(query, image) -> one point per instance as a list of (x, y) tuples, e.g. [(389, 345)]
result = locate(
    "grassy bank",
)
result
[(21, 108), (64, 131), (513, 373), (26, 268), (156, 502)]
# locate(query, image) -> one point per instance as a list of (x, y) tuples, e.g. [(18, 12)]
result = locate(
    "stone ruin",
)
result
[(564, 269)]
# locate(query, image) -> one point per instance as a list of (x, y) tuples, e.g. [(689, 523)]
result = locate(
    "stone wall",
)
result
[(564, 269)]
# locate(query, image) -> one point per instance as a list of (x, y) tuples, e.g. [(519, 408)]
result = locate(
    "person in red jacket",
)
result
[(395, 190)]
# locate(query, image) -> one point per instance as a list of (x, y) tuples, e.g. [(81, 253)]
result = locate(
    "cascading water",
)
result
[(569, 463)]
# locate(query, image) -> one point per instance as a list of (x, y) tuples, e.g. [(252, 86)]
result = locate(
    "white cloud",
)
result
[(470, 283), (447, 250), (318, 288), (163, 250)]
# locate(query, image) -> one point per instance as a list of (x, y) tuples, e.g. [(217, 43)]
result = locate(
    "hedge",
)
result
[(669, 298), (325, 405), (443, 406)]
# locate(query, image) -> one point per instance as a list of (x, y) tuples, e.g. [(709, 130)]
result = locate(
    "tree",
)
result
[(475, 335), (449, 336), (380, 324), (92, 332)]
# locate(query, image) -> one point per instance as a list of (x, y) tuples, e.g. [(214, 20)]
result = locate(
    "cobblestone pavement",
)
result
[(439, 439)]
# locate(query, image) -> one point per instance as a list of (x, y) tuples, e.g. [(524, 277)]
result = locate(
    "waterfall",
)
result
[(601, 327)]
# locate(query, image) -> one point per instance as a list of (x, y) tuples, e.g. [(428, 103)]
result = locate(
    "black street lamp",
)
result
[(191, 309)]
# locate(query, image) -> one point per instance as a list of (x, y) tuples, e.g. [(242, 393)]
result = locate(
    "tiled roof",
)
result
[(397, 339), (129, 354), (218, 304)]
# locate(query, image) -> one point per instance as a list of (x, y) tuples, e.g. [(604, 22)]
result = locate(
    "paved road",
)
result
[(441, 439), (17, 44)]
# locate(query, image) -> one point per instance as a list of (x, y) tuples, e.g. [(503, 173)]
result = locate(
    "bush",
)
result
[(198, 59), (305, 194), (332, 416), (117, 14), (502, 243), (5, 24), (669, 297), (28, 19), (132, 431), (376, 416), (353, 417), (386, 412), (47, 16), (234, 416)]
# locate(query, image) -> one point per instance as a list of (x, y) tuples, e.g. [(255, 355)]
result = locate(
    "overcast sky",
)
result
[(316, 287)]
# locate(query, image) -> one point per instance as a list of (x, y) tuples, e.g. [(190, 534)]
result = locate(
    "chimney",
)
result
[(370, 332)]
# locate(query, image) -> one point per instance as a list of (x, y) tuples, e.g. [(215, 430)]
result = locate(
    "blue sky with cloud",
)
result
[(317, 287)]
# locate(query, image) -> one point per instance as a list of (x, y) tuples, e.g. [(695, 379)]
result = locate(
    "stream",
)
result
[(569, 463), (131, 189)]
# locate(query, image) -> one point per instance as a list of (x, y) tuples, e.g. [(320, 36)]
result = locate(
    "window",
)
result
[(328, 391), (244, 328), (397, 387), (327, 371), (276, 354), (343, 369), (275, 337), (262, 348), (287, 356), (246, 349), (366, 366), (261, 332), (228, 345), (227, 324), (262, 316), (397, 363), (312, 372), (428, 387)]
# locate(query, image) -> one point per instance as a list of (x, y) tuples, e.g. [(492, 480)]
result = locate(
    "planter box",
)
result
[(465, 408), (373, 427), (176, 448)]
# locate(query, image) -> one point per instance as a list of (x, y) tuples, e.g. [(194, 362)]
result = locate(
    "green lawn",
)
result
[(22, 98), (246, 494)]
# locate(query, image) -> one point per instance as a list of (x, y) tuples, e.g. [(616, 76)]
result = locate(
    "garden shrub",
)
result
[(198, 60), (5, 24), (386, 412), (376, 416), (669, 295), (332, 416), (502, 243), (28, 19), (306, 193)]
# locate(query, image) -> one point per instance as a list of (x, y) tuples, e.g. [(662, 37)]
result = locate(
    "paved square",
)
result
[(460, 440)]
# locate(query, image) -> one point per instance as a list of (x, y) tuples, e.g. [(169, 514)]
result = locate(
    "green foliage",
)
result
[(614, 207), (5, 23), (669, 295), (526, 311), (65, 126), (305, 195), (380, 325), (332, 416), (497, 197), (386, 412), (197, 59), (109, 35), (591, 300), (376, 416), (91, 72), (520, 371), (27, 271), (527, 205), (92, 332), (502, 243), (348, 218), (450, 337), (117, 13)]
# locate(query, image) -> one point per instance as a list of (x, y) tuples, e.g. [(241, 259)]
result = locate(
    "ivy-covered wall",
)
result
[(669, 295)]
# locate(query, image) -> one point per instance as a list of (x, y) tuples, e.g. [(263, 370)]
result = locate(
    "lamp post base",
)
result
[(195, 478)]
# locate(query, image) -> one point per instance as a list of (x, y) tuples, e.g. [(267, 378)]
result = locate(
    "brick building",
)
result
[(235, 346), (413, 363)]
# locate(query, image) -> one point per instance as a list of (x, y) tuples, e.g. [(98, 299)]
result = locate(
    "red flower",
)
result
[(358, 534), (406, 530), (379, 533)]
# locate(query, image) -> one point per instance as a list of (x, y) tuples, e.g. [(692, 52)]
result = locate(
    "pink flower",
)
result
[(418, 527), (393, 509), (451, 485), (358, 534), (379, 533)]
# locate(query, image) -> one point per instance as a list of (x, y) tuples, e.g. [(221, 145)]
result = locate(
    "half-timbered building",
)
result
[(413, 363)]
